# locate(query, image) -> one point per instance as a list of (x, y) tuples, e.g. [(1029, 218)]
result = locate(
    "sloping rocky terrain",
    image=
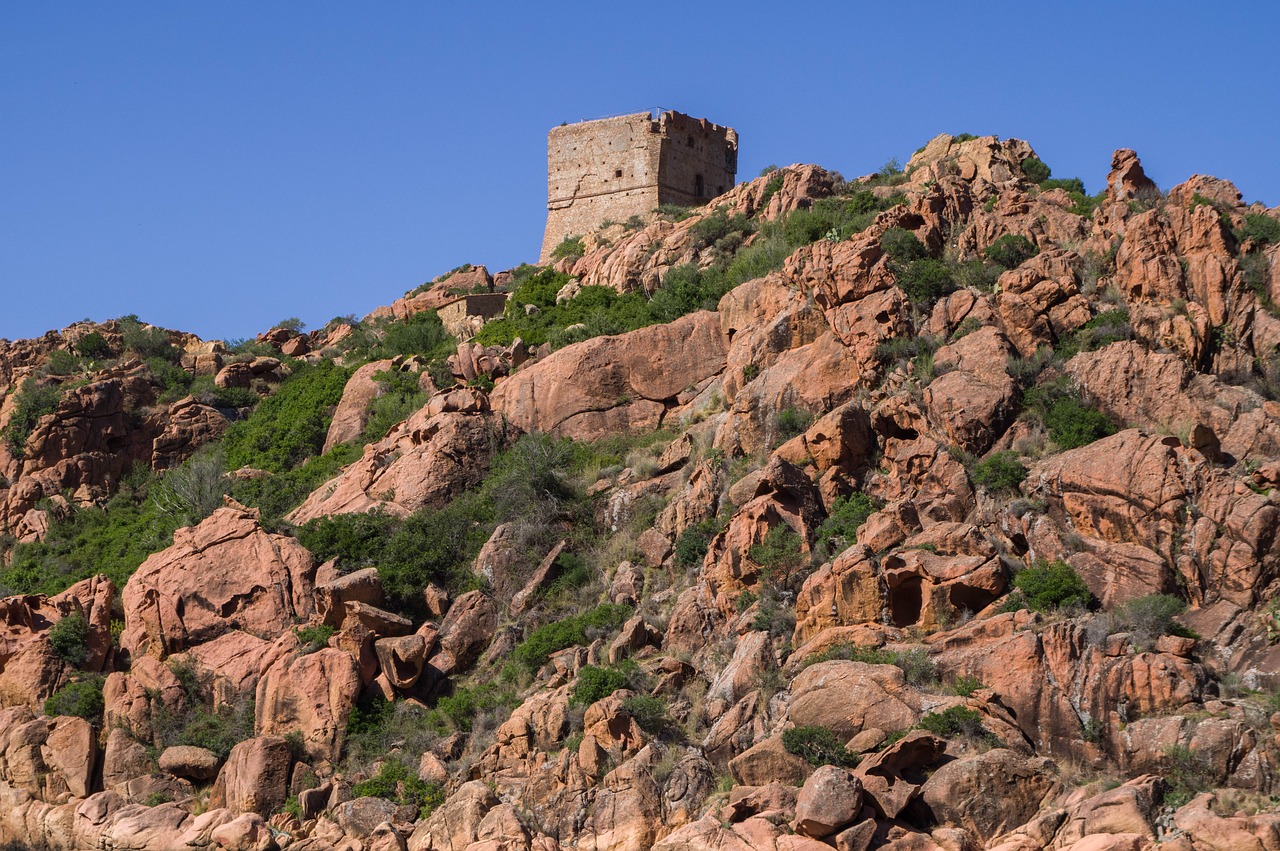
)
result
[(934, 509)]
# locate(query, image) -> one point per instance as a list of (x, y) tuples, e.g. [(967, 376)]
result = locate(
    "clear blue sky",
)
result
[(216, 167)]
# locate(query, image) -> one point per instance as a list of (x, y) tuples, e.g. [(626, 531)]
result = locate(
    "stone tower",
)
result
[(614, 168)]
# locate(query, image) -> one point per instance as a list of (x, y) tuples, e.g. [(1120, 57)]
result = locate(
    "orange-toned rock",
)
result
[(769, 762), (850, 696), (613, 383), (352, 413), (830, 799), (312, 695), (255, 777), (988, 794), (226, 573), (423, 461)]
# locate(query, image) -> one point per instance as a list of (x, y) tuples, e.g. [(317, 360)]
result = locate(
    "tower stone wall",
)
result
[(613, 168)]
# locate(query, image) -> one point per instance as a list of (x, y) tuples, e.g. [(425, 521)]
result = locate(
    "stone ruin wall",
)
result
[(614, 168)]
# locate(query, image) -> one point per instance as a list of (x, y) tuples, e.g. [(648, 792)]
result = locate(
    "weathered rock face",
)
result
[(424, 461), (613, 383), (352, 413), (226, 573), (312, 695), (255, 777)]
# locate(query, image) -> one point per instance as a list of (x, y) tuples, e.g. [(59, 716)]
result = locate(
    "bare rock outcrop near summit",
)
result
[(613, 383), (224, 574)]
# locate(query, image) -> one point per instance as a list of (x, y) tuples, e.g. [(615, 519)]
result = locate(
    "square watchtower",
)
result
[(614, 168)]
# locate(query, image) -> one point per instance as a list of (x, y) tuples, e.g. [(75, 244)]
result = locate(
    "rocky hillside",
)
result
[(935, 509)]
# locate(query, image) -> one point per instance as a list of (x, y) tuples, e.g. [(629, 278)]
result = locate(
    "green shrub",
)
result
[(113, 540), (279, 493), (290, 426), (1011, 251), (93, 346), (1073, 185), (399, 396), (1260, 227), (398, 782), (780, 554), (33, 402), (174, 381), (595, 683), (1035, 170), (925, 281), (1188, 773), (999, 471), (694, 541), (201, 726), (792, 422), (840, 529), (457, 711), (1048, 586), (82, 699), (1071, 423), (313, 638), (61, 362), (420, 334), (146, 341), (965, 686), (902, 246), (1150, 617), (770, 189), (954, 721), (718, 224), (818, 746), (648, 711), (575, 630), (1108, 327), (570, 246), (916, 665), (69, 638)]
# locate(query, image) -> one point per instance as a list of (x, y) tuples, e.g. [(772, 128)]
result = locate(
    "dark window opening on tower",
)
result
[(690, 142), (719, 190), (697, 185), (617, 172)]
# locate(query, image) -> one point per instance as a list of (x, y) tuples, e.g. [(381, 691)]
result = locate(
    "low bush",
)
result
[(575, 630), (291, 425), (398, 782), (1048, 586), (1071, 422), (1035, 170), (569, 247), (33, 402), (313, 638), (594, 683), (902, 246), (791, 422), (1108, 327), (839, 531), (279, 493), (780, 555), (648, 711), (113, 540), (1188, 773), (81, 698), (459, 710), (93, 346), (146, 341), (694, 541), (69, 638), (954, 721), (1150, 617), (1260, 228), (965, 686), (818, 746), (1011, 251), (999, 471)]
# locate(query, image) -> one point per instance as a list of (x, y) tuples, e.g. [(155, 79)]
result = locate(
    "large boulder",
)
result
[(829, 800), (424, 461), (255, 777), (312, 695), (609, 384), (990, 793), (226, 573)]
